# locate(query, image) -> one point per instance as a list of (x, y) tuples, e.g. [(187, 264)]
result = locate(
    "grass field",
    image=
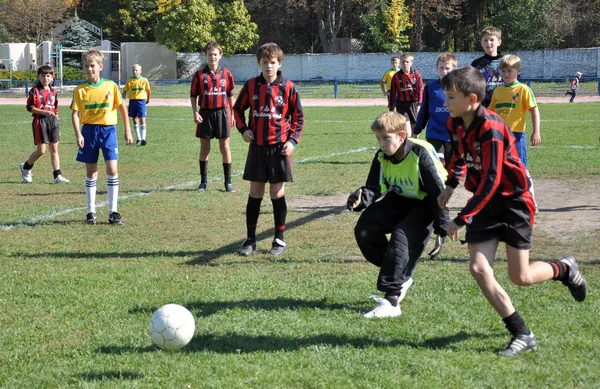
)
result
[(75, 299)]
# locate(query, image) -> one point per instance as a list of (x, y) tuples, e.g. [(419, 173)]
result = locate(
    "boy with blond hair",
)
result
[(273, 129), (433, 116), (501, 208), (386, 81), (400, 199), (95, 105), (42, 102), (574, 87), (491, 39), (406, 92), (138, 88)]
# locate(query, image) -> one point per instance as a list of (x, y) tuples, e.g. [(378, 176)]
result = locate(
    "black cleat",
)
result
[(143, 142), (229, 187), (278, 247), (202, 187), (138, 142), (519, 344), (115, 218), (248, 247), (90, 218), (575, 282)]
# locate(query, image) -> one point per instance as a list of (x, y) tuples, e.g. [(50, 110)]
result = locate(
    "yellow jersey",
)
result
[(137, 87), (387, 78), (511, 103), (97, 103)]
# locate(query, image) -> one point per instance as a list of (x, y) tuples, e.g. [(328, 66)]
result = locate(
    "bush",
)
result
[(69, 74)]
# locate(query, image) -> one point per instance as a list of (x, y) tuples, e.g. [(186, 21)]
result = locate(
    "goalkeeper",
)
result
[(399, 198)]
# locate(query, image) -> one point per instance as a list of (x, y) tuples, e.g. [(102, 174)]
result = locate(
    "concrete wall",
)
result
[(157, 61), (20, 53)]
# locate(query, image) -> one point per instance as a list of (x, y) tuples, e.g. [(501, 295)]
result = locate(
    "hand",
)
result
[(444, 197), (79, 140), (439, 242), (354, 200), (248, 136), (288, 149), (453, 230), (535, 139), (128, 138), (197, 117)]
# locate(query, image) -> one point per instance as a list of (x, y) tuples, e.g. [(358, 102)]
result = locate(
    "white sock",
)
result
[(143, 127), (90, 194), (112, 188), (136, 127)]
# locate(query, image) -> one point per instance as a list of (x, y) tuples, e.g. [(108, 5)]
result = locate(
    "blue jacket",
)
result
[(433, 114)]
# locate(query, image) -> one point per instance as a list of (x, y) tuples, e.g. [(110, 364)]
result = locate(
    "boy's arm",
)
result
[(419, 86), (149, 94), (423, 116), (230, 111), (75, 122), (433, 183), (242, 103), (536, 138), (125, 117), (366, 195), (393, 91)]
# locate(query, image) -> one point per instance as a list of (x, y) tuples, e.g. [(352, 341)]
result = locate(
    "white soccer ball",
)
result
[(172, 327)]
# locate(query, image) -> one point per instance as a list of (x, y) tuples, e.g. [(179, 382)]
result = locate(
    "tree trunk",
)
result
[(330, 22)]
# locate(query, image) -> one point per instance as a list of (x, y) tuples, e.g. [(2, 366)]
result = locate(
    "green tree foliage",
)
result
[(383, 30), (396, 20), (187, 26), (233, 28), (31, 21), (79, 38)]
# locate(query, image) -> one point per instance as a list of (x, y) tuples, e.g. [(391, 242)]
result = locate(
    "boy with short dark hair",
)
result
[(274, 128), (42, 102), (406, 92), (400, 199), (433, 116), (138, 88), (212, 90), (501, 208), (574, 87), (488, 64), (95, 105), (386, 81)]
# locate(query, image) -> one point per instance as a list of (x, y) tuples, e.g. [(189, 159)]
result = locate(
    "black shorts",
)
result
[(45, 130), (215, 124), (508, 219), (444, 149), (266, 164), (410, 109)]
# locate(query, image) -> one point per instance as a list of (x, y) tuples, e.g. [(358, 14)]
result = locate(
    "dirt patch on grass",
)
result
[(568, 208)]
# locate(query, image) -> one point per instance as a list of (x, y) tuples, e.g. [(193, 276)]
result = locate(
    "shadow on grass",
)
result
[(570, 209), (207, 309), (111, 375), (242, 344)]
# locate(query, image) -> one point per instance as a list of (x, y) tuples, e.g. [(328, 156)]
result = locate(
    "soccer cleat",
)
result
[(60, 180), (138, 142), (143, 142), (575, 282), (202, 187), (90, 218), (115, 218), (278, 247), (519, 344), (229, 187), (384, 309), (248, 247), (25, 174), (404, 289)]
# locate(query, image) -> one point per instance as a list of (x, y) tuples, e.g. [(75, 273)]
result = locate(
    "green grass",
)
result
[(75, 300)]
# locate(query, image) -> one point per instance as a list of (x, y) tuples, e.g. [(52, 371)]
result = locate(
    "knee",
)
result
[(521, 279), (480, 272)]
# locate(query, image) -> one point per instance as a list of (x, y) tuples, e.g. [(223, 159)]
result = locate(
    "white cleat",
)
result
[(384, 309)]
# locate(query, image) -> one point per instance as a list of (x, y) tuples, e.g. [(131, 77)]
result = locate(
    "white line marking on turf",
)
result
[(35, 220)]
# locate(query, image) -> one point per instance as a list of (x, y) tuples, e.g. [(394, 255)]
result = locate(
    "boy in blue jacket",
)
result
[(433, 116)]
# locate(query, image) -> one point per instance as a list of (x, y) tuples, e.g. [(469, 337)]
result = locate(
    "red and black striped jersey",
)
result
[(212, 89), (42, 98), (276, 114), (486, 153), (406, 87)]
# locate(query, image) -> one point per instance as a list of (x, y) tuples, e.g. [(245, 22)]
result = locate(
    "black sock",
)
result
[(252, 213), (516, 325), (203, 171), (279, 215), (560, 269), (27, 166), (393, 299), (227, 173), (57, 173)]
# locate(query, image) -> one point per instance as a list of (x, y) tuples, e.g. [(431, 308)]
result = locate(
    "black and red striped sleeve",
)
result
[(242, 103), (295, 114), (418, 87)]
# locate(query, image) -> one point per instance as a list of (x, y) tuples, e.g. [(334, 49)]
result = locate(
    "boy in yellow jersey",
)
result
[(386, 81), (400, 199), (138, 88), (95, 104)]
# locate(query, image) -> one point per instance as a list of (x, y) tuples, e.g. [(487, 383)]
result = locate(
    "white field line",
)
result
[(32, 221)]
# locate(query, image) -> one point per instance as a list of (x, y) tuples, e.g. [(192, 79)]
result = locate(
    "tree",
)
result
[(396, 20), (79, 38), (186, 27), (330, 23), (433, 18), (233, 28), (32, 20), (383, 29)]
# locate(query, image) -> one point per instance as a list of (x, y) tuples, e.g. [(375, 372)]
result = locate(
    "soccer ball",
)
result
[(172, 327)]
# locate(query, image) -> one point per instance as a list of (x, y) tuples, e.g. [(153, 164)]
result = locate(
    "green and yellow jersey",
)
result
[(137, 87), (511, 103), (97, 103)]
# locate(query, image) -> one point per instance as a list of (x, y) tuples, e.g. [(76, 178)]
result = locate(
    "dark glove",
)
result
[(439, 242), (354, 200)]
